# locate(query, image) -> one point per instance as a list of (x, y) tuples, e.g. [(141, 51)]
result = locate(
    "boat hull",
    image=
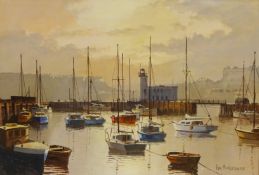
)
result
[(125, 119), (58, 155), (75, 123), (17, 163), (243, 134), (183, 159), (195, 129), (152, 137), (41, 119), (94, 121), (132, 148), (24, 119)]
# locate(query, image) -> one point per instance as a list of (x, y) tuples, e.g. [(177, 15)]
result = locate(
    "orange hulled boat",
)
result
[(125, 118), (183, 159)]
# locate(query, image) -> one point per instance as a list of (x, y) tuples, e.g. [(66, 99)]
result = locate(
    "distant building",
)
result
[(158, 93)]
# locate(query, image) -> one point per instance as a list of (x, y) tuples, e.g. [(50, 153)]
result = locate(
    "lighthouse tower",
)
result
[(143, 85)]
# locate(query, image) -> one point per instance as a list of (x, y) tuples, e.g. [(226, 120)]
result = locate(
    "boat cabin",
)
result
[(150, 128), (191, 122), (75, 116), (12, 134), (40, 114), (123, 137), (25, 113)]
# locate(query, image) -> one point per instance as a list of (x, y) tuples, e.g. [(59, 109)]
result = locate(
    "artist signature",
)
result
[(229, 168)]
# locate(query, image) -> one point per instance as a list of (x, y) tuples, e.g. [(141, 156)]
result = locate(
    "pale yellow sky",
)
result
[(220, 33)]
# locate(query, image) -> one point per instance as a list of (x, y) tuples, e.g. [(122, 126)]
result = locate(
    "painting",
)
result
[(129, 87)]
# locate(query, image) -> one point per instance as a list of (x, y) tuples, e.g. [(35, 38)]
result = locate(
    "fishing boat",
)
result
[(58, 155), (193, 124), (40, 116), (24, 116), (91, 119), (119, 140), (18, 154), (125, 118), (250, 134), (183, 160), (74, 120), (151, 131)]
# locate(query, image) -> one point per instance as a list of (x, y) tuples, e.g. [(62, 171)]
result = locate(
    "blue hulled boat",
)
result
[(93, 119), (151, 132), (40, 118), (75, 121)]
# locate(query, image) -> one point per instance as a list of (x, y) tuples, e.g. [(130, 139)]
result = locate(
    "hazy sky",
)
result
[(220, 32)]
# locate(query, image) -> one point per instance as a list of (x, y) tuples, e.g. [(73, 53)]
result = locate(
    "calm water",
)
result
[(221, 151)]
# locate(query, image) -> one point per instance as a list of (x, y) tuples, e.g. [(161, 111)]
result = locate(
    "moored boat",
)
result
[(122, 141), (24, 117), (194, 126), (27, 156), (58, 155), (251, 134), (75, 121), (187, 160), (151, 131), (40, 118), (125, 118), (93, 119)]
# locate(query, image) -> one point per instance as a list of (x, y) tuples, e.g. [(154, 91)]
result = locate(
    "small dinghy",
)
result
[(184, 160), (58, 155)]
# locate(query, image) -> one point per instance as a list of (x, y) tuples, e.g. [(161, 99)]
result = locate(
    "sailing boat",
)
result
[(126, 117), (24, 115), (74, 120), (91, 118), (191, 123), (40, 117), (252, 134), (151, 131), (122, 141), (247, 114)]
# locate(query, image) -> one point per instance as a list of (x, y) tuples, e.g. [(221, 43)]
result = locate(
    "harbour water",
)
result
[(221, 152)]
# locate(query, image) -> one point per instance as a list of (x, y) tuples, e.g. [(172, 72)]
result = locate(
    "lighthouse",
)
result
[(143, 85)]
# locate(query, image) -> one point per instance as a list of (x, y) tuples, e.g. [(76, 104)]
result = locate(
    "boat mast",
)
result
[(37, 83), (73, 85), (40, 86), (186, 76), (149, 87), (88, 81), (254, 91), (21, 77), (118, 86), (122, 79), (243, 93), (129, 82)]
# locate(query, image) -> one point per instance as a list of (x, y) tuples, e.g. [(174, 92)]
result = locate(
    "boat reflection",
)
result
[(195, 135), (37, 126), (55, 169), (173, 169), (117, 152), (246, 142)]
